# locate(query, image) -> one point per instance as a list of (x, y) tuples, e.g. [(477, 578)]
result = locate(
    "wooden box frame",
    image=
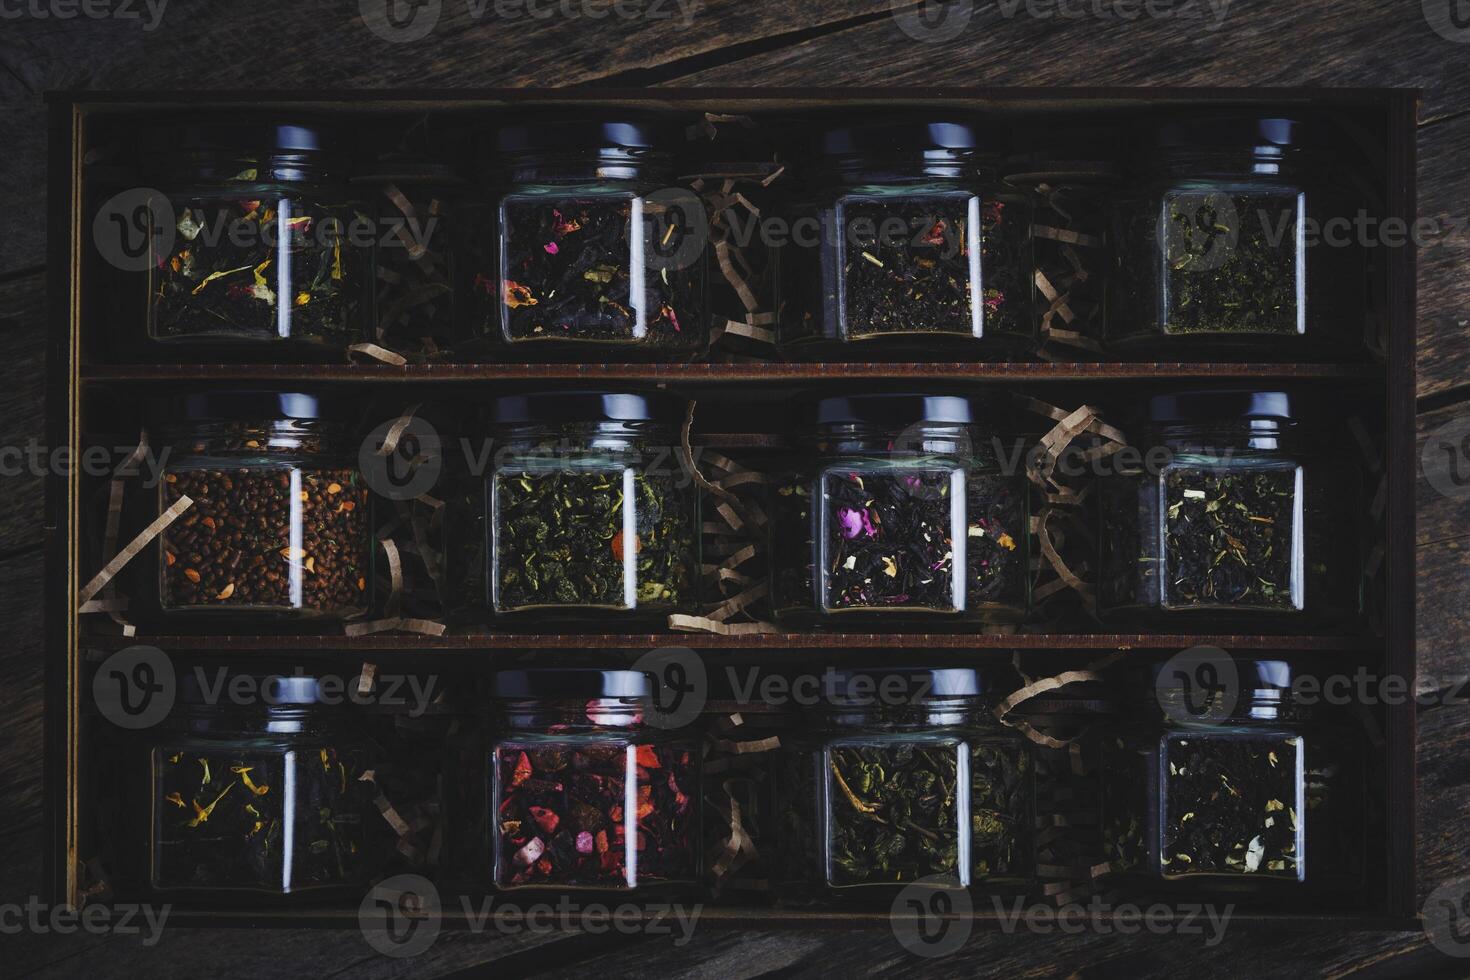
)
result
[(68, 376)]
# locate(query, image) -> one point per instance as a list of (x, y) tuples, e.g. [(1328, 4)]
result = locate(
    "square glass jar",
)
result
[(905, 239), (902, 776), (262, 800), (584, 794), (590, 513), (1235, 786), (1247, 507), (1235, 242), (278, 523), (598, 250), (256, 245), (903, 510)]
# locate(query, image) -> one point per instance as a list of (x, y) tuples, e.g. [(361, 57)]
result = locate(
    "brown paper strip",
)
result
[(379, 353), (1065, 235), (90, 590), (701, 624)]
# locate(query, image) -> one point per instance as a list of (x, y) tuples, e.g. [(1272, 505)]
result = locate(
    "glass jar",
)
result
[(1246, 512), (261, 798), (423, 214), (906, 240), (902, 774), (590, 511), (584, 792), (279, 524), (265, 255), (1233, 786), (1073, 174), (598, 251), (912, 508), (1229, 246)]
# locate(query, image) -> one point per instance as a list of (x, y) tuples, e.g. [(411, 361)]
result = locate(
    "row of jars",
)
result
[(579, 237), (583, 787), (1236, 508)]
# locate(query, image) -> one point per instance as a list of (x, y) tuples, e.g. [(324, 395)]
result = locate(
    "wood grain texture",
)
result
[(281, 45)]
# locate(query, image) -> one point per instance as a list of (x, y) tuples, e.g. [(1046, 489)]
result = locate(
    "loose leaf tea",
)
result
[(1232, 806), (1229, 537), (896, 811), (566, 814), (257, 268), (275, 821), (560, 540), (1232, 264), (911, 266), (890, 539), (572, 273), (267, 536)]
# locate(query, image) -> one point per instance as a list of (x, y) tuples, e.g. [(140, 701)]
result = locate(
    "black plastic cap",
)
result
[(554, 684), (583, 406), (250, 134), (631, 133), (1234, 130), (246, 405), (908, 683), (1222, 405), (900, 409), (900, 135)]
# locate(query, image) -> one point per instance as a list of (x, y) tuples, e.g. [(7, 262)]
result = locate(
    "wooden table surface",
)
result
[(290, 44)]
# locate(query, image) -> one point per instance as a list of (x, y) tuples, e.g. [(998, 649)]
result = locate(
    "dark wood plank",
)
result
[(1258, 42), (1444, 293), (22, 397)]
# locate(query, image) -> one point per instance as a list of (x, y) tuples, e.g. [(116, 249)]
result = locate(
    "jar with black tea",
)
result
[(277, 524), (585, 793), (265, 249), (599, 253), (591, 512), (1246, 511), (254, 791), (902, 774), (906, 240), (904, 509), (1229, 784), (1230, 245)]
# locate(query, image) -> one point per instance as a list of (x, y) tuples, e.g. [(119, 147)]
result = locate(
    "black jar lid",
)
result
[(902, 135), (245, 405), (1263, 675), (267, 691), (900, 409), (1239, 130), (633, 134), (909, 684), (1223, 405), (562, 683), (250, 134), (582, 406)]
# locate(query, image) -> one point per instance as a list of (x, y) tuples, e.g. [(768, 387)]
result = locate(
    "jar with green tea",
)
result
[(905, 240), (903, 774), (1240, 242), (902, 509), (599, 253), (1245, 511), (259, 248), (273, 516), (585, 792), (591, 512), (256, 797), (1228, 784)]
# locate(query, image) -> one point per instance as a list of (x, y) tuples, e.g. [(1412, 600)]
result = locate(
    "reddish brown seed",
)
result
[(191, 575)]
